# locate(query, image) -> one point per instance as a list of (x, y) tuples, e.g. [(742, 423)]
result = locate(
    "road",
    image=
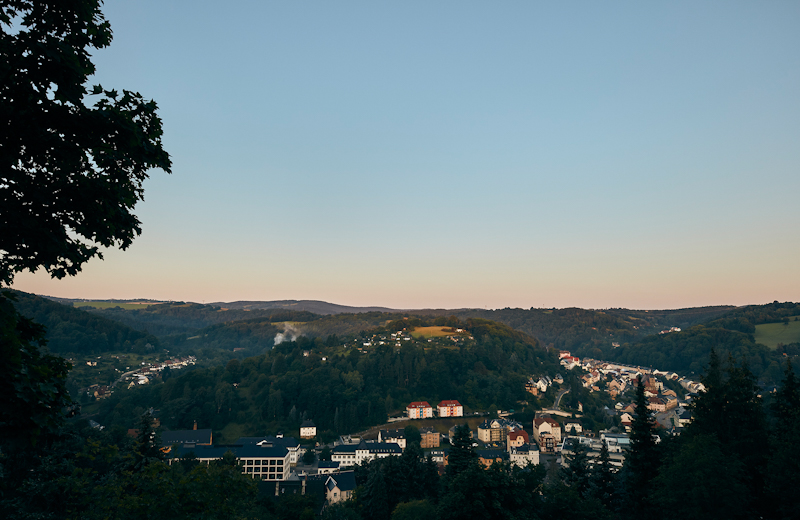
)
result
[(557, 404)]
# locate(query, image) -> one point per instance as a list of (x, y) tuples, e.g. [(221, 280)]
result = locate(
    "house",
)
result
[(547, 433), (573, 427), (656, 404), (517, 438), (308, 430), (523, 455), (396, 436), (626, 420), (340, 486), (451, 408), (430, 438), (489, 457), (419, 410), (496, 430)]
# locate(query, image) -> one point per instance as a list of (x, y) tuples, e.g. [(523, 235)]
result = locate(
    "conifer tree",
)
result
[(603, 478), (642, 460)]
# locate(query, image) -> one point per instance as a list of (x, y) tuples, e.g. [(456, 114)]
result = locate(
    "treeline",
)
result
[(176, 318), (75, 331), (732, 333), (588, 332), (342, 390)]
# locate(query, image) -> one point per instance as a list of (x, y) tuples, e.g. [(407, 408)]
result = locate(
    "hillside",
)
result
[(72, 331), (344, 386), (733, 334)]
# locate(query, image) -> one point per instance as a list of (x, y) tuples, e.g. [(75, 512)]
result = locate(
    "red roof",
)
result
[(540, 420), (451, 402), (419, 404), (517, 434)]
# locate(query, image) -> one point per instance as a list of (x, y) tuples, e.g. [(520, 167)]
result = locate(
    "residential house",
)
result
[(308, 430), (340, 486), (489, 457), (451, 408), (430, 438), (517, 438), (496, 430), (656, 404), (573, 427), (419, 410), (396, 436), (523, 455), (547, 433)]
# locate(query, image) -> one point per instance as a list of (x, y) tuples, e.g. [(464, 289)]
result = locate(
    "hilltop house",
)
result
[(308, 430), (419, 410), (451, 408)]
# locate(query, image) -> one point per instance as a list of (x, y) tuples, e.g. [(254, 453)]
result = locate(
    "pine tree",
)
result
[(461, 456), (642, 460), (783, 468), (576, 474), (603, 478)]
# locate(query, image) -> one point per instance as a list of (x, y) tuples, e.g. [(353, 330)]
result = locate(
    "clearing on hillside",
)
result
[(434, 332), (770, 334)]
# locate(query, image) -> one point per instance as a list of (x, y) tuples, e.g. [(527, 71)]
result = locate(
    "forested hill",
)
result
[(75, 331), (176, 318), (591, 332), (345, 386), (734, 333)]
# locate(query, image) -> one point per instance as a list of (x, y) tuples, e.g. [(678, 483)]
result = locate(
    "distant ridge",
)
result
[(315, 306)]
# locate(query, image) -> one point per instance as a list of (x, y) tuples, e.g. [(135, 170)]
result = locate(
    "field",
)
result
[(440, 424), (770, 334), (109, 305), (432, 332)]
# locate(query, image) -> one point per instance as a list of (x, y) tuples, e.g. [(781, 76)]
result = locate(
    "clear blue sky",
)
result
[(453, 154)]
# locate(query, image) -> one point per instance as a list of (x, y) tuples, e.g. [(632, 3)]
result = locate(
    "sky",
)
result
[(461, 154)]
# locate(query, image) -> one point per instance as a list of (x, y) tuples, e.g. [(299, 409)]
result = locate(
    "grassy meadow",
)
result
[(771, 334), (433, 332)]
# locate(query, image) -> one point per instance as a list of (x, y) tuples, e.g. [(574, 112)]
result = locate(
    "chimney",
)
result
[(195, 425)]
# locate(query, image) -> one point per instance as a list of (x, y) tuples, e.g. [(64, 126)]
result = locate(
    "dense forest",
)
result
[(731, 334), (343, 388), (73, 331)]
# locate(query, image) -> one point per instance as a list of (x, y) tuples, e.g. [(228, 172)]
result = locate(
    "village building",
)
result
[(419, 410), (451, 408), (396, 436), (308, 430), (430, 438), (523, 455)]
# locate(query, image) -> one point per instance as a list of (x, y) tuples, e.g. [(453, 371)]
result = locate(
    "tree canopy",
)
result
[(70, 172)]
